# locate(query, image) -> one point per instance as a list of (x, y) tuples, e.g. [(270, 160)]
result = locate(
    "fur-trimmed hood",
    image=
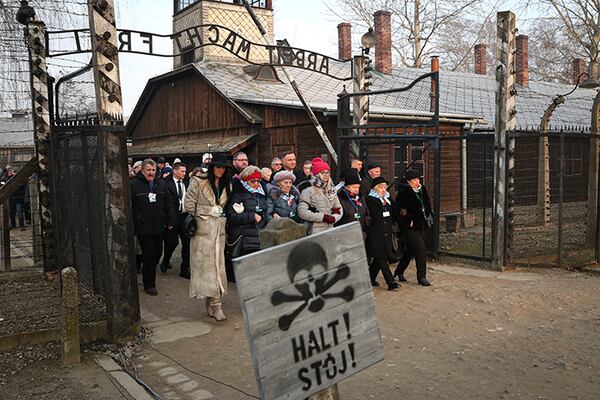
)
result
[(275, 192)]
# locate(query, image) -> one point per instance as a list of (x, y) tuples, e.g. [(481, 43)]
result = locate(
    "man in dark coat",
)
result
[(152, 213), (373, 171), (413, 214), (176, 187), (17, 202)]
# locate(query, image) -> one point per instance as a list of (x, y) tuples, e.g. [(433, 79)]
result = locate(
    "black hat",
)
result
[(373, 165), (350, 177), (378, 180), (219, 160), (348, 172), (411, 174), (161, 160)]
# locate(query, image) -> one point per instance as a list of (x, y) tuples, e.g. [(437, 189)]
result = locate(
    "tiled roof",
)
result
[(461, 94), (16, 132)]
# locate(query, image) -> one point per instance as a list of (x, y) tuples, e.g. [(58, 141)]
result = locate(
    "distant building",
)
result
[(16, 140)]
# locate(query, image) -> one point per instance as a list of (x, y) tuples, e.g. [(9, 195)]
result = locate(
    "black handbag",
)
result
[(190, 225), (233, 249)]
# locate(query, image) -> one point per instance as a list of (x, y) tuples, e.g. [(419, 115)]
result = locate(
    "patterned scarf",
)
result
[(289, 198), (328, 188), (385, 198), (260, 189)]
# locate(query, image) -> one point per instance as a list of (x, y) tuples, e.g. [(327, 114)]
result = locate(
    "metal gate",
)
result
[(402, 144)]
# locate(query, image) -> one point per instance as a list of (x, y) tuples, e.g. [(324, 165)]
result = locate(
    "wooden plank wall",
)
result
[(187, 104)]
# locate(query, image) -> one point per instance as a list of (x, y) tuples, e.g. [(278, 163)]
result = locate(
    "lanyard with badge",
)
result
[(357, 215), (151, 195), (218, 198)]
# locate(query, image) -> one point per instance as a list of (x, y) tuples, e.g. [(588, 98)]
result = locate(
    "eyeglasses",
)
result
[(277, 163), (241, 159), (326, 172), (254, 180)]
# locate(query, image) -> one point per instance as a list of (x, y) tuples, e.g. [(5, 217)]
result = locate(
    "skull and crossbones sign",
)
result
[(305, 263)]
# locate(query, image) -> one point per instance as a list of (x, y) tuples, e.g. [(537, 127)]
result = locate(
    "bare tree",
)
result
[(14, 63), (416, 24), (581, 19), (551, 50)]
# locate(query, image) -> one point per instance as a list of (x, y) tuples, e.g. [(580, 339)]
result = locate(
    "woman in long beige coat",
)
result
[(206, 198)]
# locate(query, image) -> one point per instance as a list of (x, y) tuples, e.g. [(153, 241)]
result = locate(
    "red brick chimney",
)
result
[(578, 69), (345, 41), (480, 54), (522, 60), (269, 4), (383, 47)]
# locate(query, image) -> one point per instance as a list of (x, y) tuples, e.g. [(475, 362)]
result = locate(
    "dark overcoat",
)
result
[(379, 231), (410, 210), (240, 217), (351, 208), (150, 217)]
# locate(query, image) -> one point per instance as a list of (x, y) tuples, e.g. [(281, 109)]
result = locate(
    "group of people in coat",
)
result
[(230, 210)]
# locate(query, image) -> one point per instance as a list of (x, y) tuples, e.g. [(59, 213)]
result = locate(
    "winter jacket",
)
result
[(410, 210), (379, 232), (314, 204), (276, 204), (152, 212), (351, 209), (240, 211)]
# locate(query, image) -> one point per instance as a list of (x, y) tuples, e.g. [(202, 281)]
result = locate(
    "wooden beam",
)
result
[(21, 177)]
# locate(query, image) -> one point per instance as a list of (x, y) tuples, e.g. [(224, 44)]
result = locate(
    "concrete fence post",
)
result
[(70, 318)]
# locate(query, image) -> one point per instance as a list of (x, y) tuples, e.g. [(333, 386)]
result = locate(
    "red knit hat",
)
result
[(318, 165)]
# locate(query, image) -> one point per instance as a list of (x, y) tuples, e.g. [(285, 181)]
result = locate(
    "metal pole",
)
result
[(484, 195), (343, 118), (437, 171), (294, 85), (593, 176), (560, 197)]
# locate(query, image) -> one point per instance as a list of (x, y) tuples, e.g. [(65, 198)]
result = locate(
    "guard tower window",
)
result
[(187, 55)]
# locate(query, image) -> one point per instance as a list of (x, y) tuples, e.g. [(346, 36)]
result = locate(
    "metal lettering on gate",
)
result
[(138, 42)]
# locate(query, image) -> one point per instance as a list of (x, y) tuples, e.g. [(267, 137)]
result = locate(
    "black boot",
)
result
[(424, 282), (399, 275)]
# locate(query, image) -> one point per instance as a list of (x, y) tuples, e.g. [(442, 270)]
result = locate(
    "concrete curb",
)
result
[(134, 389)]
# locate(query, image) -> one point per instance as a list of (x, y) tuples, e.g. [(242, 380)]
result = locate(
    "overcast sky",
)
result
[(306, 24)]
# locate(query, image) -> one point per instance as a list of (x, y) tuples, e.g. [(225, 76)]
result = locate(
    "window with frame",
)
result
[(573, 160)]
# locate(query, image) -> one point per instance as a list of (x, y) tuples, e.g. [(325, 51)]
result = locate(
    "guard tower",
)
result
[(229, 14)]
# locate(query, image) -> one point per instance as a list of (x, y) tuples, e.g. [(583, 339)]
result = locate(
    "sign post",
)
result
[(309, 312)]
